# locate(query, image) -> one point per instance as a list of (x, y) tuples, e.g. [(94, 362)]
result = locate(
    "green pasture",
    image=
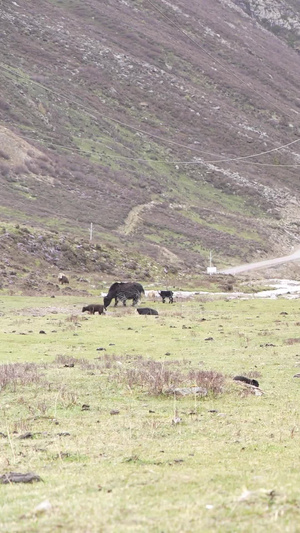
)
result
[(116, 457)]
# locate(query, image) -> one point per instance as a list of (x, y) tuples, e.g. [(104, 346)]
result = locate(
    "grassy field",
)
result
[(116, 452)]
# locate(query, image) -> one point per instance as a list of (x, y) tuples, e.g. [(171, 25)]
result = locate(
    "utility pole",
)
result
[(211, 269)]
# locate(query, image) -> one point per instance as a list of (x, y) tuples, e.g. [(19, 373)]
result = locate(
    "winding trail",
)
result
[(131, 222), (133, 218)]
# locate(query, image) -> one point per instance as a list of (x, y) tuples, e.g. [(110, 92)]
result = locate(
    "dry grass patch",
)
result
[(154, 377), (14, 374)]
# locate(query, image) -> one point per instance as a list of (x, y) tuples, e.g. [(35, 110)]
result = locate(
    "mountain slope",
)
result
[(191, 110)]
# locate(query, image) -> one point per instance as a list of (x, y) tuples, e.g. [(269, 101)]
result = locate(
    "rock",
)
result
[(15, 477), (187, 391), (43, 507), (27, 435)]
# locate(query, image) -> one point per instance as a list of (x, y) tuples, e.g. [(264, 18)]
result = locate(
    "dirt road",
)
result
[(262, 264)]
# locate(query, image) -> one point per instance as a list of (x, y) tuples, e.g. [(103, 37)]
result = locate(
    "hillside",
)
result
[(173, 127)]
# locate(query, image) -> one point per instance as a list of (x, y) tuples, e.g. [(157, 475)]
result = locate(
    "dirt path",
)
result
[(263, 264), (134, 217)]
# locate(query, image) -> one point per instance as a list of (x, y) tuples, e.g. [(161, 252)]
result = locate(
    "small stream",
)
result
[(280, 287)]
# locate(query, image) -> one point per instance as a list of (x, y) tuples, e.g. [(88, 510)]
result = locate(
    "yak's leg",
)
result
[(123, 299), (135, 300)]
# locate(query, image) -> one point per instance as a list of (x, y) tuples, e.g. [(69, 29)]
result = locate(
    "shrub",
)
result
[(212, 381), (18, 374)]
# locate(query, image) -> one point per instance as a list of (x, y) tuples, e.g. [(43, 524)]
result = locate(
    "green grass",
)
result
[(230, 465)]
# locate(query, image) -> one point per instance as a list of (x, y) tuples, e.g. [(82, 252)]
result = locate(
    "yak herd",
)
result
[(121, 292)]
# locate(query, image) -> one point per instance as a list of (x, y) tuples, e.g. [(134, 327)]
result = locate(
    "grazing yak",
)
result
[(249, 381), (166, 294), (62, 278), (146, 311), (94, 308), (122, 292)]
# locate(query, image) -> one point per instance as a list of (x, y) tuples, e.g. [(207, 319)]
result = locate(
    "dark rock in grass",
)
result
[(27, 435), (100, 349), (267, 344), (209, 339), (69, 365), (249, 381), (42, 332), (295, 376), (14, 477), (64, 434), (3, 435), (114, 412), (85, 407)]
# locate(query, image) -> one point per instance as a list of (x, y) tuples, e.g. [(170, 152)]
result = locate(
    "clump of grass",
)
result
[(159, 377), (103, 362), (14, 374), (292, 341), (210, 380), (153, 376)]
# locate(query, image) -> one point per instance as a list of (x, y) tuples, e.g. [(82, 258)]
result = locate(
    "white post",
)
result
[(211, 270), (91, 232)]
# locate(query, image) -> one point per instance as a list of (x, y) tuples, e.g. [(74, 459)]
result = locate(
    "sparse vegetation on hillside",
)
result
[(104, 108)]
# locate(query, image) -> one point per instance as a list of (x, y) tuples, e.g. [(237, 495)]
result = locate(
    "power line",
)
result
[(194, 162), (4, 67), (74, 101)]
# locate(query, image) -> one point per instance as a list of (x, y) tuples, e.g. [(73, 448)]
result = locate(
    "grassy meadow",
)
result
[(84, 405)]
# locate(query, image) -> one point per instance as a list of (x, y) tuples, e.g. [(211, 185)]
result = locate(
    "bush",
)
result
[(18, 374)]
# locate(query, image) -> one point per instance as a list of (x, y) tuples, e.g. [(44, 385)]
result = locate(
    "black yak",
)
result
[(146, 311), (62, 278), (122, 292), (166, 294), (94, 308), (249, 381)]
